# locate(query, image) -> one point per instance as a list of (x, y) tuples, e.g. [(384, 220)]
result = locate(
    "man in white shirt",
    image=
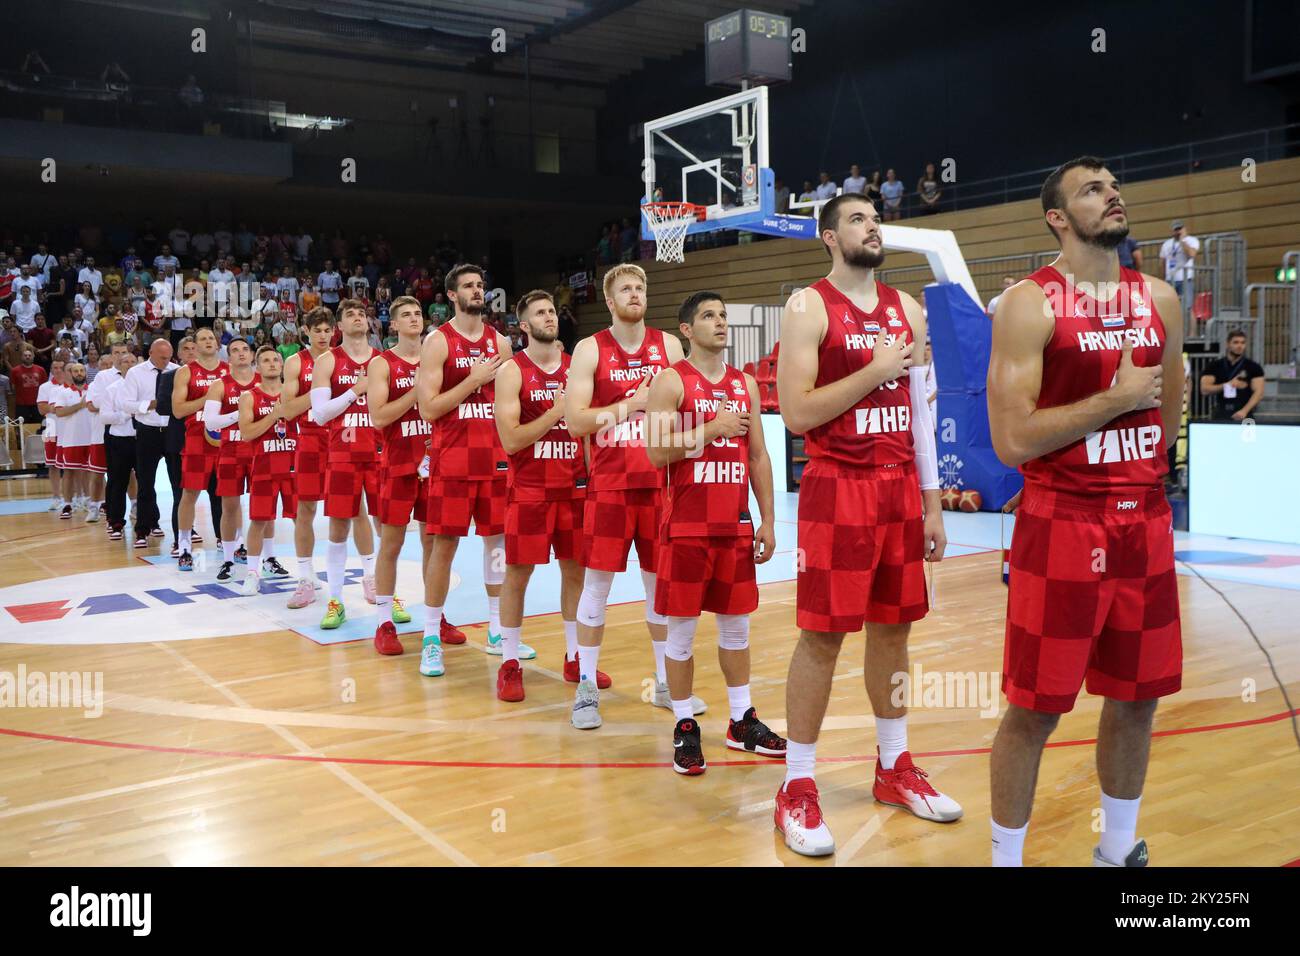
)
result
[(69, 327), (44, 263), (302, 246), (138, 396), (50, 433), (165, 259), (76, 448), (90, 274), (179, 238), (826, 189), (856, 182), (287, 280), (221, 283), (24, 309), (28, 278), (329, 282), (119, 440), (1179, 255)]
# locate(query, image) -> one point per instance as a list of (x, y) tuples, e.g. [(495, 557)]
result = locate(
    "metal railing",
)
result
[(1269, 318)]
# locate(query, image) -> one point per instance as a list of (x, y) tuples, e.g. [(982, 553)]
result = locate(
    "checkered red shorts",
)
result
[(234, 473), (614, 520), (310, 466), (534, 528), (862, 538), (263, 491), (198, 468), (455, 502), (402, 497), (344, 483), (1093, 594), (705, 574)]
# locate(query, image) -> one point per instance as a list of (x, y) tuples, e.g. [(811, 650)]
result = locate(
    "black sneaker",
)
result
[(227, 571), (241, 554), (752, 735), (185, 562), (65, 513), (140, 541), (272, 568), (688, 758)]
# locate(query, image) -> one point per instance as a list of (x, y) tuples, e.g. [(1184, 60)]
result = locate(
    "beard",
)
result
[(1104, 236), (542, 335), (470, 307), (863, 258), (78, 380), (622, 317)]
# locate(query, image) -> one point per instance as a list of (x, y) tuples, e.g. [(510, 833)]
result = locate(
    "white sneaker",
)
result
[(586, 706), (1136, 856), (431, 659), (251, 586), (664, 699), (92, 513), (495, 643), (799, 818), (56, 504)]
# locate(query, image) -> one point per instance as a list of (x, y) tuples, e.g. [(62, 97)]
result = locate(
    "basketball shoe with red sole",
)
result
[(572, 674), (907, 787), (688, 755), (510, 682), (386, 641), (753, 736), (799, 818), (450, 633)]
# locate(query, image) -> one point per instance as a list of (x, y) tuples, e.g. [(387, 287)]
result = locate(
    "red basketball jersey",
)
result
[(352, 434), (231, 390), (552, 466), (1129, 452), (708, 493), (407, 439), (305, 364), (273, 450), (618, 457), (466, 438), (201, 379), (878, 429)]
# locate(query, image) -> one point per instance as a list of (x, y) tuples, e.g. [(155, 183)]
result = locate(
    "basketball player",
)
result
[(338, 400), (45, 405), (547, 482), (1085, 395), (265, 426), (235, 457), (700, 429), (76, 424), (202, 445), (458, 363), (869, 514), (609, 382), (405, 439)]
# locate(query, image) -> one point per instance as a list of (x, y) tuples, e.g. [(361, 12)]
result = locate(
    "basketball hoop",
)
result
[(668, 221)]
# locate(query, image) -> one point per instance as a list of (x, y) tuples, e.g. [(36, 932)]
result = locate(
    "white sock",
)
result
[(382, 601), (432, 624), (305, 571), (228, 550), (891, 738), (336, 557), (255, 565), (570, 640), (268, 548), (682, 709), (368, 564), (587, 660), (661, 650), (509, 642), (800, 760), (1119, 827), (494, 616), (738, 701), (185, 541), (239, 540), (1008, 845)]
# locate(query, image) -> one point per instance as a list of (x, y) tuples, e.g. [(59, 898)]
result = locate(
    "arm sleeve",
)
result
[(325, 409), (213, 418), (927, 459)]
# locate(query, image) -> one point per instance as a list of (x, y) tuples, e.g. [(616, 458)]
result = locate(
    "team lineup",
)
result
[(636, 441)]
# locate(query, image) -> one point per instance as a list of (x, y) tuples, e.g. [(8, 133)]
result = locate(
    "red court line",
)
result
[(627, 765)]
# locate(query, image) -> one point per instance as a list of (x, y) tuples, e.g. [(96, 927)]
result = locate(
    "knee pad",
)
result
[(494, 559), (595, 595), (733, 631), (681, 637), (648, 579)]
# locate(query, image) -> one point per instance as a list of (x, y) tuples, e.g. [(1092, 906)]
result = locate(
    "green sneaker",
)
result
[(431, 659), (334, 615), (400, 614), (526, 653)]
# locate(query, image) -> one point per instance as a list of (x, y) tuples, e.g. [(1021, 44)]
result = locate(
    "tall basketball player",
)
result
[(405, 438), (338, 400), (1085, 395), (547, 484), (458, 363), (235, 457), (265, 426), (202, 446), (701, 430), (609, 384), (45, 393), (311, 448), (869, 512)]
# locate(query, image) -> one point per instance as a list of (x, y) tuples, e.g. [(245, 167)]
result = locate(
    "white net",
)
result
[(669, 222)]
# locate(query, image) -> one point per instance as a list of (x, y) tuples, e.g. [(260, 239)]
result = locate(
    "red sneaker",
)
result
[(450, 633), (906, 787), (799, 818), (572, 675), (510, 682), (688, 755), (386, 641)]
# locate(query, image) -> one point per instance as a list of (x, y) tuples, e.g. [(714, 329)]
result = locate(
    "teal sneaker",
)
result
[(431, 659), (526, 653)]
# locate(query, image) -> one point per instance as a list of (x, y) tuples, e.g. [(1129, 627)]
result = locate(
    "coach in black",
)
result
[(1235, 381)]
